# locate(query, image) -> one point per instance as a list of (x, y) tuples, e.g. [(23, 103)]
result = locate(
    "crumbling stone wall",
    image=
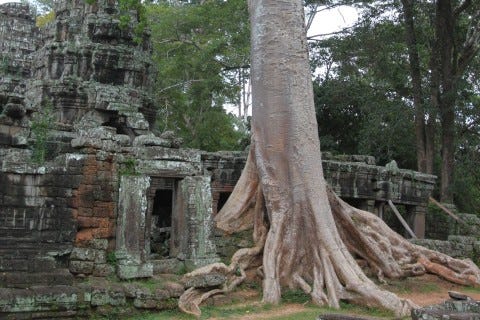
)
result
[(89, 79), (457, 239), (20, 39)]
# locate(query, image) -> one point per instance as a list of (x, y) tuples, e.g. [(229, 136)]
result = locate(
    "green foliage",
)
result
[(295, 296), (467, 181), (4, 64), (363, 94), (182, 270), (200, 50), (128, 167), (40, 127), (45, 19), (112, 258), (361, 99), (126, 8)]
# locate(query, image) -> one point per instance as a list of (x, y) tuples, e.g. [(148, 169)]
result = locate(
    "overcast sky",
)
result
[(325, 22)]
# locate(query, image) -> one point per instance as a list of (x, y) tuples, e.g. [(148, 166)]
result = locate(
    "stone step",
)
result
[(27, 279), (162, 266)]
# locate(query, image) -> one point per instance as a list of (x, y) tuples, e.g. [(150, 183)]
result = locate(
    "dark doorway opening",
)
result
[(161, 225), (222, 199)]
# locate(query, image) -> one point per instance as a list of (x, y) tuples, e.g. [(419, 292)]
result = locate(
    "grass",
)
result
[(472, 289), (309, 311), (410, 285)]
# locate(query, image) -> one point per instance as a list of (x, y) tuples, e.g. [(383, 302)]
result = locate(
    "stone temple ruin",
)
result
[(88, 190)]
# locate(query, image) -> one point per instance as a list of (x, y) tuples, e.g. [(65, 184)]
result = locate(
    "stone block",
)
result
[(133, 271), (44, 264), (83, 267), (103, 270), (100, 244), (150, 140), (204, 280), (146, 303), (174, 289), (476, 247), (84, 254), (131, 289), (166, 266), (104, 296)]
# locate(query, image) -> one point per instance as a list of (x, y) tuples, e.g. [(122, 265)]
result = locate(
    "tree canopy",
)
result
[(395, 98), (201, 53)]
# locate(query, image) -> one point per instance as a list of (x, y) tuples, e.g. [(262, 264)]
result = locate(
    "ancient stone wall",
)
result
[(20, 38), (87, 89), (457, 239)]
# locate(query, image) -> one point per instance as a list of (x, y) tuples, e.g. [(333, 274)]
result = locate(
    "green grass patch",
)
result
[(472, 289), (429, 287), (295, 296), (231, 311)]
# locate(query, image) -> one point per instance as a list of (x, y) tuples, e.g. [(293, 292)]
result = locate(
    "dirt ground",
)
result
[(424, 290), (429, 289)]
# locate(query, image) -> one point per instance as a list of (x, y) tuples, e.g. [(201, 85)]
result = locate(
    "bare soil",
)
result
[(424, 290), (428, 289)]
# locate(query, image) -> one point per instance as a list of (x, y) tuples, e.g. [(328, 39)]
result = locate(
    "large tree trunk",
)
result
[(306, 234), (445, 25)]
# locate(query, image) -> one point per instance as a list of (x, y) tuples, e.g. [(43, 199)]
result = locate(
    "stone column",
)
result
[(131, 252), (416, 219), (196, 238), (379, 208)]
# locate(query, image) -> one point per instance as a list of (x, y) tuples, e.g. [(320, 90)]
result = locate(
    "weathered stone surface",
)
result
[(167, 266), (131, 254), (83, 267), (204, 281), (107, 296), (174, 289), (103, 270), (150, 140), (39, 299), (460, 310), (458, 295), (146, 299)]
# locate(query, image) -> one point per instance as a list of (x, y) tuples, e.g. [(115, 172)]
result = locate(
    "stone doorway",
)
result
[(161, 206), (222, 199)]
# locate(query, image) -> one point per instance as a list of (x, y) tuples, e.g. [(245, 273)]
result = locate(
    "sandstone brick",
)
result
[(93, 222), (84, 267), (103, 270)]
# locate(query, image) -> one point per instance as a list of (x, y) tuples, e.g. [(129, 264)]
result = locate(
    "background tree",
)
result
[(201, 51), (421, 55), (363, 89)]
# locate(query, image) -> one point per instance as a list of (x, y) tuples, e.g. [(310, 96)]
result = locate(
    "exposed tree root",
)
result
[(322, 269), (388, 253), (243, 258)]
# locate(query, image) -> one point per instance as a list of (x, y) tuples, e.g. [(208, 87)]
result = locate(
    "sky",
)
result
[(325, 22), (333, 20)]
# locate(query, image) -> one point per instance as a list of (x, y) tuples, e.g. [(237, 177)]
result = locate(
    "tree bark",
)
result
[(418, 103), (304, 234)]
